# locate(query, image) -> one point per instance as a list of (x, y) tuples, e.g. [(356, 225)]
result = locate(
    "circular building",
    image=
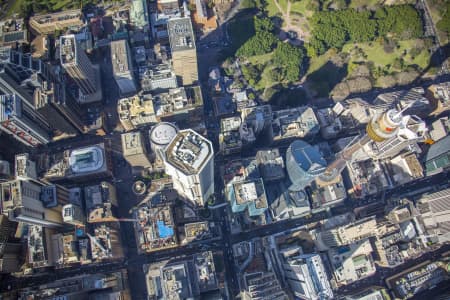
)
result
[(160, 136), (303, 163)]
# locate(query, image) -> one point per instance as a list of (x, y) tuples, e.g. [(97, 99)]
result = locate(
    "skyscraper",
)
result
[(189, 160), (59, 108), (44, 97), (304, 163), (184, 54), (77, 64), (18, 122), (307, 277), (122, 67), (21, 201), (133, 148)]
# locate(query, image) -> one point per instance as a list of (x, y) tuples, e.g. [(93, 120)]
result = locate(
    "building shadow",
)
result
[(323, 80)]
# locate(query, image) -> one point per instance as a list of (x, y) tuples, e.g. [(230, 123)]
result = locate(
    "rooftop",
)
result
[(352, 263), (249, 194), (74, 162), (271, 164), (68, 51), (295, 122), (162, 133), (176, 281), (155, 228), (87, 159), (137, 109), (171, 102), (132, 143), (181, 34), (62, 16), (98, 194), (37, 254), (307, 157), (119, 57), (197, 231), (105, 243), (205, 271), (189, 152)]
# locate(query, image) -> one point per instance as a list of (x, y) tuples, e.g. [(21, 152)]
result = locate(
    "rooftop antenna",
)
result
[(405, 108)]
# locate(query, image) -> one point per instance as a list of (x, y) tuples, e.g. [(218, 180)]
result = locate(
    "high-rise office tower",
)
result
[(133, 148), (77, 64), (44, 97), (9, 246), (189, 159), (20, 75), (122, 64), (304, 163), (307, 277), (25, 168), (184, 54), (21, 201), (17, 121), (59, 108)]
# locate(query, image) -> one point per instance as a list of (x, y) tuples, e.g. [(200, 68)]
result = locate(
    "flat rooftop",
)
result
[(132, 143), (250, 191), (137, 109), (119, 57), (197, 231), (230, 124), (205, 271), (189, 152), (155, 228), (294, 122), (181, 34), (176, 282), (68, 49), (162, 133), (172, 101)]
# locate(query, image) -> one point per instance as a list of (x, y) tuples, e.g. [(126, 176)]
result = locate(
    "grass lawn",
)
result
[(260, 59), (318, 61), (422, 60), (300, 7), (272, 9), (283, 4), (376, 53), (366, 3), (58, 4)]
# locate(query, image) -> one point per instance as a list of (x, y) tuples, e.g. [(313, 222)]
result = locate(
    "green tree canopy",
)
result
[(289, 58)]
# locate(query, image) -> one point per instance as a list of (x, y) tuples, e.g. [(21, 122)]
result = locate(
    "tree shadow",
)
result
[(323, 80), (286, 98), (240, 29)]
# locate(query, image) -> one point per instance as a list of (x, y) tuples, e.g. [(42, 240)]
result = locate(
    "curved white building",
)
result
[(160, 136), (189, 159)]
